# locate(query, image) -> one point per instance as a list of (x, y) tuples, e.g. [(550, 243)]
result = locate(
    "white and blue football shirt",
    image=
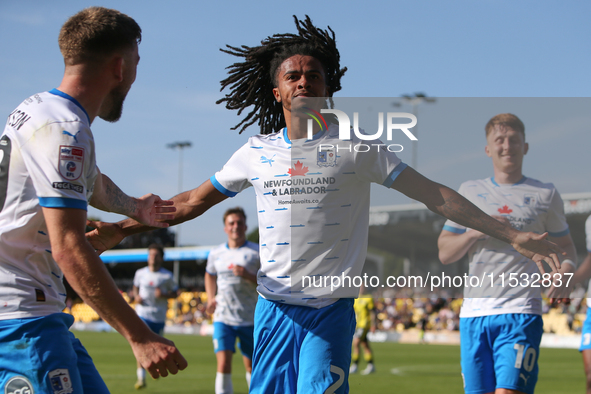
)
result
[(236, 297), (152, 308), (529, 205), (313, 210), (47, 159)]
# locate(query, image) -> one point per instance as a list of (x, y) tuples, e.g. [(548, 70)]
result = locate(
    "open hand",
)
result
[(153, 211), (562, 285), (537, 248)]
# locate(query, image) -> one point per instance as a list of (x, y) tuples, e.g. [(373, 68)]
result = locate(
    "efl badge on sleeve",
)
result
[(327, 156), (60, 381), (71, 162)]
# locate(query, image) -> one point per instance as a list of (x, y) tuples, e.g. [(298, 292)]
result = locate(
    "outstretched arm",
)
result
[(448, 203), (149, 209), (189, 205), (88, 276), (453, 247)]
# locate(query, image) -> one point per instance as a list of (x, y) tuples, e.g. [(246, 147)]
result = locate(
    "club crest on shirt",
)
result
[(529, 199), (60, 381), (71, 162), (327, 156)]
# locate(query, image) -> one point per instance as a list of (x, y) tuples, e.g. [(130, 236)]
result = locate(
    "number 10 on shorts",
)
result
[(528, 360)]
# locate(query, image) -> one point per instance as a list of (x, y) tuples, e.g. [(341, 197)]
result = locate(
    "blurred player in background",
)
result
[(322, 233), (365, 314), (583, 273), (230, 283), (152, 287), (501, 334), (48, 176)]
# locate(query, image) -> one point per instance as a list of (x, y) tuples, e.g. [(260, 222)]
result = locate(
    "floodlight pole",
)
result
[(180, 145)]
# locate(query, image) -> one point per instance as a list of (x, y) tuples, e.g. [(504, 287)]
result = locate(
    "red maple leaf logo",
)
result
[(505, 209), (231, 266), (298, 169)]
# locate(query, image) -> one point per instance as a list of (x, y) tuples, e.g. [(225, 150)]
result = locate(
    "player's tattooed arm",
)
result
[(460, 210), (107, 196), (187, 205), (448, 203), (150, 209)]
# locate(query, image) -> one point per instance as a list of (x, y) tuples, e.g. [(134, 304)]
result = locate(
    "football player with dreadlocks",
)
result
[(313, 209)]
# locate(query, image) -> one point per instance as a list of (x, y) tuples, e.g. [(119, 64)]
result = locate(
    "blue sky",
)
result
[(466, 50)]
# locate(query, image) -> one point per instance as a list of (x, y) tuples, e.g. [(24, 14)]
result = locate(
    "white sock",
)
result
[(223, 383), (248, 379), (141, 374)]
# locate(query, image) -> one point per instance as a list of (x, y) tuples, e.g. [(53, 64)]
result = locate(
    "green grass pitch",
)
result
[(401, 368)]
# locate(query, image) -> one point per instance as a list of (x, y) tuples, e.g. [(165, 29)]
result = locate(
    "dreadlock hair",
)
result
[(251, 82)]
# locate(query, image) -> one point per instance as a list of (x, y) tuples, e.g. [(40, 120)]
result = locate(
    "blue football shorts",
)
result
[(41, 355), (586, 332), (158, 328), (500, 351), (298, 349), (224, 338)]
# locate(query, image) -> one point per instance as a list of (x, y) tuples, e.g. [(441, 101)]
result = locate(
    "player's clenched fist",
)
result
[(159, 356)]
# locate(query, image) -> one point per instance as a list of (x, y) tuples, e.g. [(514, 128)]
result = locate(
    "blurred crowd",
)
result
[(396, 311)]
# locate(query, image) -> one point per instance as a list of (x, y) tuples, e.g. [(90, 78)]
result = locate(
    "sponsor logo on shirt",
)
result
[(67, 186), (293, 184), (298, 169), (18, 385), (71, 160)]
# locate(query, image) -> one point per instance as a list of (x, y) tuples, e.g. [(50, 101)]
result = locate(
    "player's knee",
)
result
[(225, 362)]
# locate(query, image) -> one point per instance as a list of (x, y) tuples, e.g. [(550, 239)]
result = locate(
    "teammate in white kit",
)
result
[(48, 176), (313, 211), (152, 287), (230, 283), (501, 326), (583, 273)]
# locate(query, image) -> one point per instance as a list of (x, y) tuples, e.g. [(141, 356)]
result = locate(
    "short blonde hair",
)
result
[(507, 120), (96, 32)]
